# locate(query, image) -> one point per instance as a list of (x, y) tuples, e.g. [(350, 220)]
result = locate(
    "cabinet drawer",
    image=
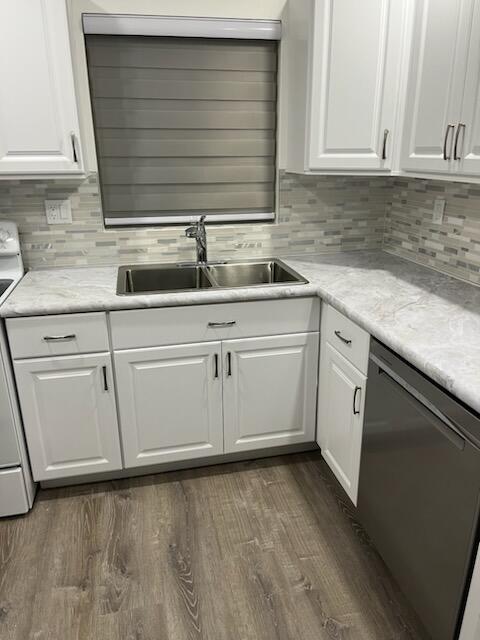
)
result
[(346, 336), (57, 335), (180, 325)]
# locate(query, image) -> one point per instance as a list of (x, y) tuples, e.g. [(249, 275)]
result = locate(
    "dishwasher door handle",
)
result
[(421, 404)]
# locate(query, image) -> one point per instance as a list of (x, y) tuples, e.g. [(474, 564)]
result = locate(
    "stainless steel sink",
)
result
[(252, 274), (163, 278)]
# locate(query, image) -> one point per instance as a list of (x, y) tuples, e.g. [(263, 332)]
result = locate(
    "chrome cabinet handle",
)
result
[(105, 380), (73, 138), (355, 412), (450, 127), (65, 338), (215, 365), (229, 364), (460, 127), (340, 337), (384, 148), (217, 325)]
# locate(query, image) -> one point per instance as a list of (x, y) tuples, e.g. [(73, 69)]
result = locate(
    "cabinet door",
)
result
[(170, 402), (69, 415), (355, 78), (269, 391), (341, 398), (38, 114), (436, 83), (467, 157)]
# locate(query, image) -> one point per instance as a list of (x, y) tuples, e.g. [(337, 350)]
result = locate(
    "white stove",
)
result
[(17, 489)]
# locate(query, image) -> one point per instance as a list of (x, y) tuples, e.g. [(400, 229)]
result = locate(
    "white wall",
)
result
[(254, 9)]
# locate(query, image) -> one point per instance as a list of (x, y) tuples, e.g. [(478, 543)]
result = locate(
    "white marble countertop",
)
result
[(430, 319)]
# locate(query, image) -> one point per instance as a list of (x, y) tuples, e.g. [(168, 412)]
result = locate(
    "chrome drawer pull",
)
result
[(340, 337), (69, 336), (384, 148), (229, 364), (355, 412), (460, 129), (74, 147), (450, 128), (217, 325), (105, 380)]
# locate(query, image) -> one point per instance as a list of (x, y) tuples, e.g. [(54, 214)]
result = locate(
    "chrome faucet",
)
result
[(198, 232)]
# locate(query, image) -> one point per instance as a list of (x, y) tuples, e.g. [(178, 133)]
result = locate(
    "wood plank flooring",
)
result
[(262, 550)]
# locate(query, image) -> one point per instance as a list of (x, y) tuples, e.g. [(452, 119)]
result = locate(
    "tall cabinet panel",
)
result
[(39, 131), (354, 83), (436, 82)]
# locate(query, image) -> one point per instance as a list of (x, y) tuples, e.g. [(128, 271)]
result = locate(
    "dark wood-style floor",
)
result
[(260, 550)]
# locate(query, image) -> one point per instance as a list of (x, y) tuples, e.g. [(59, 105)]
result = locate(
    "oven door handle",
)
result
[(421, 404)]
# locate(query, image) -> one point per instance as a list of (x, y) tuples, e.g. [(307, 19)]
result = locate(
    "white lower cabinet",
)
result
[(269, 390), (69, 414), (341, 400), (195, 399), (189, 401), (170, 403)]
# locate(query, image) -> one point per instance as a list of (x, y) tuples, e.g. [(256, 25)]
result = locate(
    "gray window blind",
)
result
[(184, 126)]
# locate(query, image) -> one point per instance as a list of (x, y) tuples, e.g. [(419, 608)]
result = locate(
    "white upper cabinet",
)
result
[(356, 54), (442, 114), (435, 86), (39, 131), (343, 83)]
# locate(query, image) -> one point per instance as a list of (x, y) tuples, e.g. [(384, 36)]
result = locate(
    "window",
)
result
[(184, 126)]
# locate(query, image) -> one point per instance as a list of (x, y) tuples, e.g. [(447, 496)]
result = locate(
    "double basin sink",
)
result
[(171, 278)]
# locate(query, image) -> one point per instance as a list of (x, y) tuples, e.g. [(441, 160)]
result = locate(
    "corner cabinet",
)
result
[(39, 130), (341, 397), (342, 76), (442, 114)]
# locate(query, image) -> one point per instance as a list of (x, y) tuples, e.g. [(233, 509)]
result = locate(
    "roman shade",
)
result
[(184, 126)]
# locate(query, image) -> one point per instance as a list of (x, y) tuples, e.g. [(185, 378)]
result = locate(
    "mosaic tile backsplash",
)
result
[(316, 214), (453, 246)]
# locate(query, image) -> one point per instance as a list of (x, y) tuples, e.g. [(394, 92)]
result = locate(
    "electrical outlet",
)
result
[(438, 210), (58, 211)]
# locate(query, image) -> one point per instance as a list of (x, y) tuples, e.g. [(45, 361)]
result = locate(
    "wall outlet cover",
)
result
[(438, 210), (58, 211)]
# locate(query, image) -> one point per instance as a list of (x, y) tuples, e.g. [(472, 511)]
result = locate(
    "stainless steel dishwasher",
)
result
[(419, 487)]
